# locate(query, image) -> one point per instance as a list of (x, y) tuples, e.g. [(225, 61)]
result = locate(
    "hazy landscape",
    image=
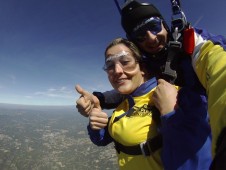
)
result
[(49, 138)]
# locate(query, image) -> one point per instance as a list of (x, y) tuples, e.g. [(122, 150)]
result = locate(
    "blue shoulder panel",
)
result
[(216, 39)]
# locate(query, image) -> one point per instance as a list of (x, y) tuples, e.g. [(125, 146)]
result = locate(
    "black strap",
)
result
[(147, 148), (178, 24), (169, 72), (131, 110)]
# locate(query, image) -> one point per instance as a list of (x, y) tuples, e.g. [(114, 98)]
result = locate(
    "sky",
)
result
[(49, 46)]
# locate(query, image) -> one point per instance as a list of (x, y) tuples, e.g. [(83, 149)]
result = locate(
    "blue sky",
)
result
[(49, 46)]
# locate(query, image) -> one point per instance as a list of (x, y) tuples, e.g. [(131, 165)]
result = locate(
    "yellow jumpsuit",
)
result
[(209, 62)]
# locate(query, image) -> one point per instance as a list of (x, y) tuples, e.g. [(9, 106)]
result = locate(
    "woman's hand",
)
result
[(86, 102)]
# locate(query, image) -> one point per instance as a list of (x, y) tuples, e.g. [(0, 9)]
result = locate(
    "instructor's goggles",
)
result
[(153, 24), (123, 59)]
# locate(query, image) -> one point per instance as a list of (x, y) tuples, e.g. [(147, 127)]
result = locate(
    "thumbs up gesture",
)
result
[(88, 105), (86, 102)]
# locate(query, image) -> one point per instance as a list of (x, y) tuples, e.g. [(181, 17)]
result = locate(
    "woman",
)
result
[(134, 126), (132, 122)]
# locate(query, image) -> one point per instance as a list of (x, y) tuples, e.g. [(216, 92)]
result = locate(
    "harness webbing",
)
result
[(178, 25), (146, 148), (131, 104)]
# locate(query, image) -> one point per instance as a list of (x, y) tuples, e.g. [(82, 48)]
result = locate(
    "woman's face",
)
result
[(123, 70)]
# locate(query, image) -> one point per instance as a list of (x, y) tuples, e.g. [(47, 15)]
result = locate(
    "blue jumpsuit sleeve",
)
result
[(186, 133), (99, 137), (109, 99)]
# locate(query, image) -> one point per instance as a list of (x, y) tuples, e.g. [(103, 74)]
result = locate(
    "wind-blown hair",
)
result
[(135, 51)]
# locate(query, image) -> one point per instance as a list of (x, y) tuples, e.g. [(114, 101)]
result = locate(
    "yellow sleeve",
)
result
[(210, 67)]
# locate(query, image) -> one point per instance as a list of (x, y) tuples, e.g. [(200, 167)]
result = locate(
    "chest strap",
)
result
[(146, 148)]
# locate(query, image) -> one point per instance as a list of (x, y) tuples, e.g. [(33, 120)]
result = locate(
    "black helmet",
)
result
[(135, 12)]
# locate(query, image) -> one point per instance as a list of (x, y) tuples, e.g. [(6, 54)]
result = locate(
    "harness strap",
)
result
[(131, 104), (178, 25), (146, 148), (169, 73)]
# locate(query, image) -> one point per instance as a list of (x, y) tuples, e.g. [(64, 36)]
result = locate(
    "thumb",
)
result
[(88, 96), (79, 89), (83, 92), (96, 102)]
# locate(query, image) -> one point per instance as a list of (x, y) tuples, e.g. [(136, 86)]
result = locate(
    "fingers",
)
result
[(165, 97), (155, 99), (161, 81), (98, 119), (98, 125), (85, 112)]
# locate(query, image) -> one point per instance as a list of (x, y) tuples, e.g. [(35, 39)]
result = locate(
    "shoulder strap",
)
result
[(175, 46)]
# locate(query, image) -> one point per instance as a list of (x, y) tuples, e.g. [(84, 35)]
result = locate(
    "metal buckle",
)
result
[(175, 44), (145, 149)]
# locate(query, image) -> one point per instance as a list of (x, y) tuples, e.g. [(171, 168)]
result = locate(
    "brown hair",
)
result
[(135, 51)]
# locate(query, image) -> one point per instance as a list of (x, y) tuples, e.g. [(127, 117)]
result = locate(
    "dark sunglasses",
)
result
[(153, 24)]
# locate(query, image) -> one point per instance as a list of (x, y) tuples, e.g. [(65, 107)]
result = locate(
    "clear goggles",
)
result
[(153, 24), (123, 59)]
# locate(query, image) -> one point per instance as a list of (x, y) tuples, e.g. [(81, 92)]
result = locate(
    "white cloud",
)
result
[(52, 90), (61, 92), (28, 97), (63, 88)]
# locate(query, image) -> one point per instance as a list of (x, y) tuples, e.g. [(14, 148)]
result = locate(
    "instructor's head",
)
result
[(145, 26)]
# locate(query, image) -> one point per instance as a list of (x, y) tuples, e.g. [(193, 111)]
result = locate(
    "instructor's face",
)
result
[(152, 43)]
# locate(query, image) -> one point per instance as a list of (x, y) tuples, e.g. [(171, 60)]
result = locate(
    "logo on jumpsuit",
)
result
[(145, 110)]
